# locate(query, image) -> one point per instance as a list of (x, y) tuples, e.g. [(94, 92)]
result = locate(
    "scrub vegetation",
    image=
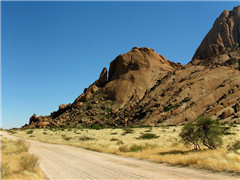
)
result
[(16, 162)]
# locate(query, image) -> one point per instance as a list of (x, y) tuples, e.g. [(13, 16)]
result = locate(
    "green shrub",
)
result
[(85, 138), (168, 108), (96, 126), (127, 131), (30, 132), (205, 130), (148, 136)]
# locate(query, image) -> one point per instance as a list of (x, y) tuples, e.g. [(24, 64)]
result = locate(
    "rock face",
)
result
[(131, 74), (188, 93), (102, 78), (221, 44), (144, 88)]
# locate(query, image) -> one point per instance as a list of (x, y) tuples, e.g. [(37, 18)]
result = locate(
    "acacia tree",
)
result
[(190, 136), (205, 130)]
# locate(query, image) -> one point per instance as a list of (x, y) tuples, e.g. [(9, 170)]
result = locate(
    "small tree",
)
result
[(190, 135), (205, 130), (211, 132)]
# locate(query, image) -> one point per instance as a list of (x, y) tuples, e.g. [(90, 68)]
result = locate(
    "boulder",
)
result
[(227, 113), (33, 119), (62, 106), (102, 78), (87, 96), (237, 107), (93, 88)]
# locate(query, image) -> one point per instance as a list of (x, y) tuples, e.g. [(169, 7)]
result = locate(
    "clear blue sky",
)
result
[(51, 51)]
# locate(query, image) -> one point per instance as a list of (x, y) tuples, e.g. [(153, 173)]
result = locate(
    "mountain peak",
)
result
[(132, 73), (221, 44)]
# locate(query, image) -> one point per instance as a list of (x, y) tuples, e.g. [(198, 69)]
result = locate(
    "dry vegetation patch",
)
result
[(160, 144), (16, 162)]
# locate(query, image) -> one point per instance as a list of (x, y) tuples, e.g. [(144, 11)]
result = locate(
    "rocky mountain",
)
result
[(221, 44), (144, 88)]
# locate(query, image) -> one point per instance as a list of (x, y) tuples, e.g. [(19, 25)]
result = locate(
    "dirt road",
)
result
[(67, 162)]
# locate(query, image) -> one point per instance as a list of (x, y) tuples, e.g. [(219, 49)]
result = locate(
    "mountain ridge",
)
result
[(144, 88)]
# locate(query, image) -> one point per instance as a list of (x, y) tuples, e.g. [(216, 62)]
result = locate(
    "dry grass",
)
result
[(166, 148), (16, 162)]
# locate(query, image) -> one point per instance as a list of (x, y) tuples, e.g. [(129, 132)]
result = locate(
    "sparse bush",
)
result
[(96, 126), (123, 148), (109, 109), (205, 130), (12, 132), (234, 146), (114, 133), (148, 136), (62, 126), (28, 162), (186, 99), (149, 130), (30, 132), (114, 139), (45, 133), (120, 142), (168, 108), (85, 138), (66, 138), (5, 170), (127, 131), (135, 148)]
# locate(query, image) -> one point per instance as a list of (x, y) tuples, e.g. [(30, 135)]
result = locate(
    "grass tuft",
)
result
[(5, 170), (28, 162)]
